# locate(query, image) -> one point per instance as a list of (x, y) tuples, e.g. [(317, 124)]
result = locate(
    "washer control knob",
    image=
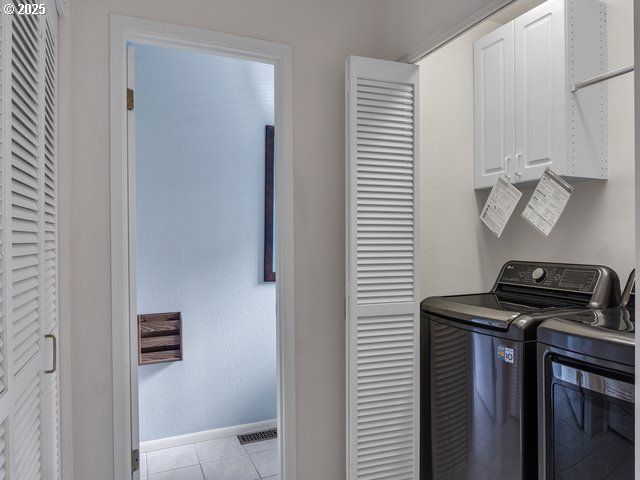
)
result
[(539, 274)]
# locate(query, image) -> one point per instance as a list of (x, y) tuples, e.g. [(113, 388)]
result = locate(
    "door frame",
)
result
[(124, 29)]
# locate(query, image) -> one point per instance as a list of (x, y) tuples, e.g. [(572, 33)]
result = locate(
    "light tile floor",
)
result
[(219, 459)]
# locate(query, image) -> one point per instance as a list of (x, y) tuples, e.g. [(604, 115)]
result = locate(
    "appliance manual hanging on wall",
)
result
[(547, 202), (500, 205)]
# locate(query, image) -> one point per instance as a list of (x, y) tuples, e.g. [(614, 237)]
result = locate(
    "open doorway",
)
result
[(206, 306), (261, 56)]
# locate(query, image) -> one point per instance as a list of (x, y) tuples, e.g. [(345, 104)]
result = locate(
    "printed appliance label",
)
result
[(547, 202), (500, 205), (505, 354)]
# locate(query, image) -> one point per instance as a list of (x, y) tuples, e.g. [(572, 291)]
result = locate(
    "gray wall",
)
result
[(200, 236)]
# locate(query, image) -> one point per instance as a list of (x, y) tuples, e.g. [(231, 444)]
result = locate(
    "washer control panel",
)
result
[(576, 278)]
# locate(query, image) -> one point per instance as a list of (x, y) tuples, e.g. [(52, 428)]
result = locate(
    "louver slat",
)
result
[(381, 279)]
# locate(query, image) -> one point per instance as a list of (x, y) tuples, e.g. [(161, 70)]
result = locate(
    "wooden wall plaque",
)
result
[(159, 338)]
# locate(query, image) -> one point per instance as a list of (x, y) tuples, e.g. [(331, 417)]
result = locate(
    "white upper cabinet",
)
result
[(494, 83), (526, 116), (541, 91)]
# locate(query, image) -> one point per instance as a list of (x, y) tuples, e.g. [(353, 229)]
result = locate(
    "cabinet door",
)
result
[(493, 71), (540, 91)]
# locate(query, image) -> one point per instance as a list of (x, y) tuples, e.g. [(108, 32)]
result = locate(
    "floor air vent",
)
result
[(258, 436)]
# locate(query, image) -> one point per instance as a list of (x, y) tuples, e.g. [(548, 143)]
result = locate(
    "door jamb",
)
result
[(126, 29)]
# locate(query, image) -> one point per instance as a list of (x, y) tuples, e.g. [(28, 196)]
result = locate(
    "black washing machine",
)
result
[(478, 368), (586, 399)]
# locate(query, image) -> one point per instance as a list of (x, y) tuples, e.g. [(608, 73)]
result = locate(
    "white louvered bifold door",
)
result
[(382, 270), (49, 249), (28, 403)]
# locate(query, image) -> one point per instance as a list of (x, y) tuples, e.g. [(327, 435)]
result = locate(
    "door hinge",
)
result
[(129, 99), (135, 460)]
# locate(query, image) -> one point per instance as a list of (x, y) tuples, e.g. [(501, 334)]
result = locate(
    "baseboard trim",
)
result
[(188, 438)]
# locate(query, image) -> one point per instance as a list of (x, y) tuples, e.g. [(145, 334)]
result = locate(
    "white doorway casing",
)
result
[(124, 337)]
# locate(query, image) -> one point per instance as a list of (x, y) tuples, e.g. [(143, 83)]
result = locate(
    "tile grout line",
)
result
[(254, 465), (173, 469), (204, 477), (197, 456)]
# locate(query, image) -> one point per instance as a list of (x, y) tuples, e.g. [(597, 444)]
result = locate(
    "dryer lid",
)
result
[(608, 334)]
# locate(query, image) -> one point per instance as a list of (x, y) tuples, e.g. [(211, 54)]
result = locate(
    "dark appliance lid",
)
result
[(530, 288), (608, 334)]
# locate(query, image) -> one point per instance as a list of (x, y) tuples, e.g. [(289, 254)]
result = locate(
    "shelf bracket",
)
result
[(602, 77)]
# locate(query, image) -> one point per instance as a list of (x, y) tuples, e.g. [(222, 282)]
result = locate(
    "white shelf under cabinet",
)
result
[(526, 117)]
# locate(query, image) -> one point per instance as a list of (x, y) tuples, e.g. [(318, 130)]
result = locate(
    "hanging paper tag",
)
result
[(500, 205), (547, 202)]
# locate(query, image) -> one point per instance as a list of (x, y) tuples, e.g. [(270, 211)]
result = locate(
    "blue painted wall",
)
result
[(200, 123)]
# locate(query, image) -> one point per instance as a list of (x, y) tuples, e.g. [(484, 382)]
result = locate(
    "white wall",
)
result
[(459, 253), (413, 27), (598, 224), (200, 238), (322, 34)]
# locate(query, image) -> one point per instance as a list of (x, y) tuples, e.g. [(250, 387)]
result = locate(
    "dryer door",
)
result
[(591, 422)]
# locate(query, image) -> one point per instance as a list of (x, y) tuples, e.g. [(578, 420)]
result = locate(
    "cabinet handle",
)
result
[(505, 166), (519, 164), (55, 353)]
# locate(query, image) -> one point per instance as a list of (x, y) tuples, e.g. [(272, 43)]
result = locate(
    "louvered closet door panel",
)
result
[(385, 211), (50, 188), (26, 168), (3, 221), (4, 376), (24, 213), (50, 244), (382, 286), (29, 225)]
